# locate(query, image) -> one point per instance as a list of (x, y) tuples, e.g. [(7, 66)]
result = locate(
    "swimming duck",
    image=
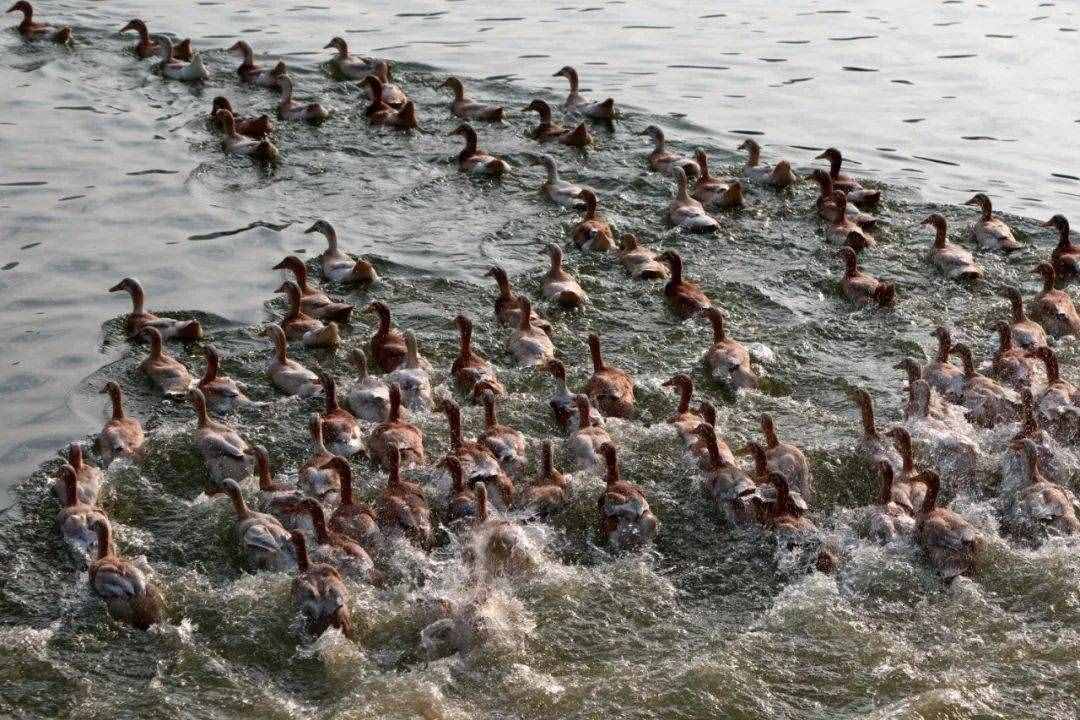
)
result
[(684, 421), (505, 443), (477, 461), (396, 436), (778, 176), (368, 397), (122, 436), (563, 403), (287, 375), (254, 74), (255, 127), (787, 460), (263, 540), (354, 519), (593, 232), (338, 549), (340, 430), (626, 520), (765, 496), (842, 228), (914, 372), (548, 131), (713, 192), (298, 325), (387, 345), (724, 481), (1040, 503), (499, 547), (223, 450), (641, 262), (145, 47), (353, 67), (609, 388), (317, 475), (283, 501), (76, 518), (889, 520), (470, 367), (165, 371), (989, 232), (413, 377), (987, 402), (949, 541), (1060, 398), (173, 68), (584, 444), (32, 30), (943, 376), (684, 211), (727, 359), (547, 493), (1026, 333), (529, 344), (403, 509), (686, 298), (468, 109), (87, 478), (575, 102), (313, 300), (663, 160), (949, 436), (559, 191), (1054, 308), (785, 514), (336, 265), (392, 94), (1011, 364), (826, 205), (472, 160), (128, 595), (289, 109), (908, 488), (320, 592), (235, 143), (871, 446), (699, 446), (139, 319), (222, 392), (381, 112), (856, 193), (559, 285), (953, 260), (462, 505), (1065, 256), (862, 288), (507, 305)]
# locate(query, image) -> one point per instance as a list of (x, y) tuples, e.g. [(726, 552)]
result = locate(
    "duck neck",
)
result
[(249, 57), (851, 265), (330, 390), (237, 499), (1017, 302), (384, 321), (717, 321), (303, 562), (594, 353), (286, 91), (281, 349), (293, 295), (318, 522), (967, 362), (824, 181), (572, 76), (547, 464), (590, 206), (465, 340), (490, 418), (939, 235), (611, 475), (104, 539), (1048, 280), (470, 143), (682, 193), (703, 166), (117, 402), (903, 445), (300, 271), (71, 483), (686, 391), (505, 291), (1053, 373), (317, 437), (944, 346), (886, 485), (584, 415), (544, 111), (453, 419), (834, 165), (138, 299), (331, 238), (771, 438), (75, 456), (676, 270), (866, 410), (262, 467), (155, 346), (713, 448), (761, 463), (1004, 339), (200, 409), (754, 151), (930, 501), (211, 368)]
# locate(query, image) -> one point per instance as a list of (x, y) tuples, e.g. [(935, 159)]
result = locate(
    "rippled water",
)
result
[(108, 171)]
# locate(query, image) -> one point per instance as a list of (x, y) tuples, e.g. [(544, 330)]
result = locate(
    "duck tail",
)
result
[(885, 294), (406, 116), (338, 312), (569, 298), (183, 50), (267, 151), (190, 330), (606, 109), (492, 115), (62, 36), (579, 138)]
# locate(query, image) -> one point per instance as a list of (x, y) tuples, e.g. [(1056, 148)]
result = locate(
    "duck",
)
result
[(502, 441), (403, 509), (870, 445), (507, 304), (626, 520), (319, 592), (254, 74), (1040, 503), (462, 505), (727, 359), (76, 518), (576, 103), (127, 593), (890, 521), (561, 192), (951, 544), (257, 128), (368, 397), (584, 444), (684, 420), (336, 265), (1054, 308), (352, 518), (353, 67), (826, 205), (724, 481), (593, 232), (987, 402), (289, 109), (235, 143), (950, 439), (943, 376), (563, 403), (223, 394), (32, 30), (387, 345), (1059, 398), (165, 371), (914, 371), (145, 47), (1065, 257), (529, 344), (313, 300), (298, 325), (685, 212), (396, 436), (641, 262), (712, 192), (283, 501), (856, 193), (1025, 332), (663, 160), (784, 515), (381, 112), (468, 109), (470, 368), (264, 542), (413, 377), (778, 176), (989, 232), (842, 228), (499, 546), (685, 297), (122, 435), (1011, 364), (88, 479), (173, 68), (953, 260), (862, 288), (340, 430), (317, 475), (908, 488), (477, 461), (699, 446), (609, 388), (338, 549), (140, 318), (548, 492), (787, 460), (286, 374), (224, 451), (392, 94), (475, 161), (560, 286), (548, 131)]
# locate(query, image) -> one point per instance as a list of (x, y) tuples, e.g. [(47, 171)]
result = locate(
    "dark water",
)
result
[(109, 171)]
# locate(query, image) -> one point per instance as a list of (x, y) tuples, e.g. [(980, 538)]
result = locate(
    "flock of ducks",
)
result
[(321, 528)]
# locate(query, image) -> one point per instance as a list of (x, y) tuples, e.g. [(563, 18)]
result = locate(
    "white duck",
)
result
[(684, 211), (413, 377), (287, 375), (262, 539), (336, 265), (559, 191), (368, 396), (176, 69)]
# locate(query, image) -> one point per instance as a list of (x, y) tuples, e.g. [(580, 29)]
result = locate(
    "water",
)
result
[(109, 172)]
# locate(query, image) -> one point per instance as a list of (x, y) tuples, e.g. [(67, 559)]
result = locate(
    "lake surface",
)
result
[(109, 171)]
